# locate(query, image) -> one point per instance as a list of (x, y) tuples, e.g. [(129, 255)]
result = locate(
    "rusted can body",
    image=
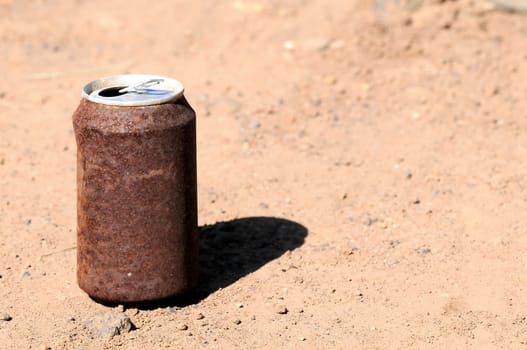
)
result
[(137, 234)]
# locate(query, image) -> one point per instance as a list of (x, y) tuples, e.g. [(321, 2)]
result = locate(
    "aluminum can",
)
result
[(137, 238)]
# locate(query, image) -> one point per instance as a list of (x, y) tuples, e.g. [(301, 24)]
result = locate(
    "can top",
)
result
[(133, 90)]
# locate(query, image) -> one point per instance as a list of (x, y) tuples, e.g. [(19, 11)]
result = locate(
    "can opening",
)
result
[(133, 90), (112, 91)]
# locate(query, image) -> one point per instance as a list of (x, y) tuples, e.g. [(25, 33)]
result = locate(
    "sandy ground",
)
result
[(363, 168)]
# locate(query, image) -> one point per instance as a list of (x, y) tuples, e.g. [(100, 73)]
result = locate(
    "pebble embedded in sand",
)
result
[(109, 324), (4, 316), (281, 309)]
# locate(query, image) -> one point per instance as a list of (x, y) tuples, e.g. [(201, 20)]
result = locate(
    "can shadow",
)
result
[(232, 249)]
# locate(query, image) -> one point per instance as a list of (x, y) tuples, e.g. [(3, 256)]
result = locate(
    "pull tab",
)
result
[(140, 88)]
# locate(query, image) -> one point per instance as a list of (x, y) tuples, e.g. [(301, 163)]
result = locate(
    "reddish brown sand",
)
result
[(384, 152)]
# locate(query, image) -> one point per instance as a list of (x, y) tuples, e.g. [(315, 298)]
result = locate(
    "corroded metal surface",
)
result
[(136, 201)]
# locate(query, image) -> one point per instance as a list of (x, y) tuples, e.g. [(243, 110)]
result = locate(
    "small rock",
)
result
[(132, 312), (316, 43), (423, 250), (281, 309), (182, 327), (109, 325), (237, 321), (352, 246), (332, 80), (200, 316), (27, 221), (394, 243), (4, 316), (239, 305), (348, 251), (302, 339), (254, 124), (370, 220), (253, 317)]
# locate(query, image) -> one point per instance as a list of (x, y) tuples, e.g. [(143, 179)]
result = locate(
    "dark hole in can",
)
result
[(112, 91)]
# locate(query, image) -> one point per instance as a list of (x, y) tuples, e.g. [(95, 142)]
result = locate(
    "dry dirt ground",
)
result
[(361, 166)]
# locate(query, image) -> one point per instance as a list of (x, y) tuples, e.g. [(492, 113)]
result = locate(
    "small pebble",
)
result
[(182, 327), (237, 321), (347, 252), (282, 310), (331, 80), (239, 305), (200, 316), (4, 316), (302, 339), (254, 124), (132, 312), (27, 221), (423, 250), (371, 220), (109, 325)]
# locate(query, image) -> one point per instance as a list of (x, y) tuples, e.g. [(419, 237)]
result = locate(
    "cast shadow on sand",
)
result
[(232, 249)]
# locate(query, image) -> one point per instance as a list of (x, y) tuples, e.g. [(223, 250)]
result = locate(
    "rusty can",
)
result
[(137, 238)]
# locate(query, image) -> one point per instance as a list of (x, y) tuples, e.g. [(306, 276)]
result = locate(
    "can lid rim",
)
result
[(163, 90)]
